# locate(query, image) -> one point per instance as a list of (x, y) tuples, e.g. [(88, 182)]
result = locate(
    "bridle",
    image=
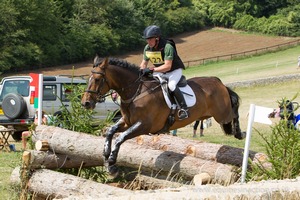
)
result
[(102, 82)]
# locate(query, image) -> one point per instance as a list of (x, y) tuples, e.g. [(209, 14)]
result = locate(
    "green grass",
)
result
[(267, 65), (259, 95), (8, 161)]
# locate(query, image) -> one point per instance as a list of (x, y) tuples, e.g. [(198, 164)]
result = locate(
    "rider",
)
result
[(164, 57)]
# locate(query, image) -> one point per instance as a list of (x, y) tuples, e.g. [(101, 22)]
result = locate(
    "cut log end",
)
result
[(42, 145), (191, 150), (201, 179), (140, 140), (26, 157)]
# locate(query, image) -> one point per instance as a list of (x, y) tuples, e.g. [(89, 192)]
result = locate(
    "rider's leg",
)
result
[(182, 114), (174, 78)]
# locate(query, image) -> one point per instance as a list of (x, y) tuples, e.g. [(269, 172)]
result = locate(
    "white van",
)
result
[(17, 106)]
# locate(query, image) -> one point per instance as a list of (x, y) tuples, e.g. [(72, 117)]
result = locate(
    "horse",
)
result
[(143, 107)]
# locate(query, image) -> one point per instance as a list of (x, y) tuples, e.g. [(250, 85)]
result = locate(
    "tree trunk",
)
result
[(133, 155), (71, 143), (49, 160), (142, 182), (174, 163), (208, 151), (48, 184)]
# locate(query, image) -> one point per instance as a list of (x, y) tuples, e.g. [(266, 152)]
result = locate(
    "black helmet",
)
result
[(151, 31)]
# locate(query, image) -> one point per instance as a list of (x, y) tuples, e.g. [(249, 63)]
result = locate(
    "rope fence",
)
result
[(241, 54)]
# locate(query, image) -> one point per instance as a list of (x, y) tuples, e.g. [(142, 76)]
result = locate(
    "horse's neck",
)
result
[(125, 84), (140, 89)]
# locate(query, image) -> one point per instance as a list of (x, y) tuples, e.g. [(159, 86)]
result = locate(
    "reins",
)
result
[(137, 95)]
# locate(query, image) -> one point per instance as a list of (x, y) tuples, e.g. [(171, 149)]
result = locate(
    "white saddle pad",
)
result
[(187, 92)]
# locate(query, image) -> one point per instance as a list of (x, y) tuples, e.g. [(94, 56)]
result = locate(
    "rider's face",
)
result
[(151, 42)]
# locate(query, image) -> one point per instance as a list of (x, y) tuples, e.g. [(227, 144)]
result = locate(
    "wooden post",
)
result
[(24, 174)]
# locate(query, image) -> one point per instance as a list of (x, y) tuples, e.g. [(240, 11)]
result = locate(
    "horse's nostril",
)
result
[(86, 104)]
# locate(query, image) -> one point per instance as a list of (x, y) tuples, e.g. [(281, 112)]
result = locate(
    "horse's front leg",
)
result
[(109, 135), (128, 134)]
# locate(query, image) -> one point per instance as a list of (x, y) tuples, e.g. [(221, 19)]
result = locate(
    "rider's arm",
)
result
[(165, 67), (144, 64), (145, 60)]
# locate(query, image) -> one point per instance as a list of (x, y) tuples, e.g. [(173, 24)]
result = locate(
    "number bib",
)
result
[(155, 57)]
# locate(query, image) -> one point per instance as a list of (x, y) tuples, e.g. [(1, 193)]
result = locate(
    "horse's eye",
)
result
[(97, 78)]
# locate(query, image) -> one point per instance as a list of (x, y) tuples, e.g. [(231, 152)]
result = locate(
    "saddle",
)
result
[(164, 84), (188, 94)]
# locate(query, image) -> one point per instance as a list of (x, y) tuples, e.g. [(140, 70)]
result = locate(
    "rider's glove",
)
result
[(147, 72)]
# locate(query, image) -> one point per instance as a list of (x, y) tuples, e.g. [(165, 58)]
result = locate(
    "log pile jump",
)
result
[(162, 155)]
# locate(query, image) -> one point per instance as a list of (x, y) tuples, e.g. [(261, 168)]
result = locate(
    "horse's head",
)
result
[(97, 84)]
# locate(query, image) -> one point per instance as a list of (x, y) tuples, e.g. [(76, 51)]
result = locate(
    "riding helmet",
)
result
[(152, 31)]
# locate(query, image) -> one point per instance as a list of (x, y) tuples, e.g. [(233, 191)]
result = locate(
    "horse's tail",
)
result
[(235, 100), (233, 128)]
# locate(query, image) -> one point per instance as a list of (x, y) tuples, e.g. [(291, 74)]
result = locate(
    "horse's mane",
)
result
[(119, 62), (124, 64)]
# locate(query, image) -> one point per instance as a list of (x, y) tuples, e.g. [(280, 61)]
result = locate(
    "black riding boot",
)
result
[(182, 113)]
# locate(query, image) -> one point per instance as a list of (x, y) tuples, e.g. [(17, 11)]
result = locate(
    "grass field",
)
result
[(8, 161), (273, 64), (268, 65), (251, 68), (258, 95)]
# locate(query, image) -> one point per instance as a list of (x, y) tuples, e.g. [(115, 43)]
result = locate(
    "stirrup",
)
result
[(182, 114)]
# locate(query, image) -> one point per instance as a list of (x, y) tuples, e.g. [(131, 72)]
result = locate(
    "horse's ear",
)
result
[(96, 58), (105, 62)]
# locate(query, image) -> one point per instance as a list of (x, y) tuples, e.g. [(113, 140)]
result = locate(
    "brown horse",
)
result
[(143, 106)]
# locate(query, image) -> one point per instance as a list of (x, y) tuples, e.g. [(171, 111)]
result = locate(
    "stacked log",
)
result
[(208, 151), (203, 162), (133, 155), (48, 184), (50, 160)]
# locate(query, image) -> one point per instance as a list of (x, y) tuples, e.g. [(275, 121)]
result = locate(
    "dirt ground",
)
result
[(191, 46)]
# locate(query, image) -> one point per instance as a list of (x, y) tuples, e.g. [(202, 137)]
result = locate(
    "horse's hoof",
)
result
[(111, 161), (243, 135), (105, 157), (240, 136), (113, 171)]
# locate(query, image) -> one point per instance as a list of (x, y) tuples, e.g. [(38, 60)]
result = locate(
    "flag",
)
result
[(261, 115), (35, 88), (256, 114)]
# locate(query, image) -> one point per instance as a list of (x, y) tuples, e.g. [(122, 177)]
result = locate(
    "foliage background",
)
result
[(42, 33)]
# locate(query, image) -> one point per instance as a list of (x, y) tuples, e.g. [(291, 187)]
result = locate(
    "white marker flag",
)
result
[(256, 114), (261, 115)]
